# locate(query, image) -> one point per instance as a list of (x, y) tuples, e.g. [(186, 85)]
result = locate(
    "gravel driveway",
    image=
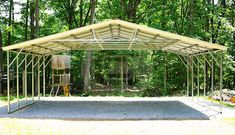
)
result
[(112, 108)]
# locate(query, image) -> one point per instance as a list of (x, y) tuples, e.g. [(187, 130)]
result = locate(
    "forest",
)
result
[(153, 72)]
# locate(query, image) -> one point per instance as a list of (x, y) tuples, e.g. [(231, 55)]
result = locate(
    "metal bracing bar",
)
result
[(199, 60), (186, 60), (192, 80), (33, 78), (22, 61), (203, 57), (38, 61), (8, 82), (26, 54), (221, 80), (133, 38), (44, 76), (95, 37), (190, 57), (17, 81), (45, 48), (198, 81), (176, 53), (16, 57), (207, 60), (188, 47), (25, 79), (214, 58), (182, 60), (48, 62), (30, 61), (12, 111), (43, 62)]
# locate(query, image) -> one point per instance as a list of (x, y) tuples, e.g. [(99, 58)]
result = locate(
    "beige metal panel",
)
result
[(121, 29), (169, 35), (59, 35)]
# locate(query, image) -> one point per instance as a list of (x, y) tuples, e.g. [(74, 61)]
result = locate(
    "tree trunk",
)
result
[(26, 20), (81, 12), (191, 17), (37, 19), (32, 19), (89, 52), (10, 22)]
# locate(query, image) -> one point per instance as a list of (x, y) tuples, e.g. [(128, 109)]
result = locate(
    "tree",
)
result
[(89, 52)]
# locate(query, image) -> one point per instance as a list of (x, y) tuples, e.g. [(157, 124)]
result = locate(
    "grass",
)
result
[(111, 93), (229, 120), (4, 98), (224, 103)]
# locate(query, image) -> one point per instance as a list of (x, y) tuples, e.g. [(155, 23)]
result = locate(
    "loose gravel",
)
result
[(108, 109)]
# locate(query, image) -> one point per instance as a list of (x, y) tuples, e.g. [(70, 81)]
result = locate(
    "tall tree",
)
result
[(32, 19), (89, 52), (10, 22), (26, 20), (37, 18)]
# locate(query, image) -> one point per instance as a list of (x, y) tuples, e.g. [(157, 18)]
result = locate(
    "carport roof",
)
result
[(115, 35)]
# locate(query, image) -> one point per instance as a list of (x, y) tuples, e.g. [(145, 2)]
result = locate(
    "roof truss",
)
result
[(115, 35)]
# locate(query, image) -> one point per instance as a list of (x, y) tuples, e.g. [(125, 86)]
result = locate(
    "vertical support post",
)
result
[(187, 78), (17, 80), (165, 72), (44, 77), (122, 74), (39, 78), (8, 82), (25, 79), (198, 82), (192, 80), (33, 77), (204, 80), (221, 80), (212, 75)]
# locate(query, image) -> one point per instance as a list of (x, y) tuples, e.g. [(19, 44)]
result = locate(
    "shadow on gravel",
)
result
[(107, 110)]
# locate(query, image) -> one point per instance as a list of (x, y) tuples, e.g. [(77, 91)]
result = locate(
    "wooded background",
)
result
[(209, 20)]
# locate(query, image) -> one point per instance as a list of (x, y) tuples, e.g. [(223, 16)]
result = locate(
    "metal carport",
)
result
[(110, 35)]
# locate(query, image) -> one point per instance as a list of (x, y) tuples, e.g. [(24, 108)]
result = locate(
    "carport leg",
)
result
[(212, 76), (44, 77), (8, 82), (32, 77), (198, 82), (187, 79), (38, 78), (17, 80), (221, 81), (25, 80), (192, 80), (204, 80)]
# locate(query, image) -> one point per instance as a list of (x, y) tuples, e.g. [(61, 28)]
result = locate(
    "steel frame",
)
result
[(33, 64), (42, 61), (185, 59)]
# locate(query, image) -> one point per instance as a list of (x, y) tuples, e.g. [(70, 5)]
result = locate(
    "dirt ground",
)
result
[(69, 127)]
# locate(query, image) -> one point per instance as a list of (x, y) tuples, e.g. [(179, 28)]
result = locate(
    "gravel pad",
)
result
[(108, 110)]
